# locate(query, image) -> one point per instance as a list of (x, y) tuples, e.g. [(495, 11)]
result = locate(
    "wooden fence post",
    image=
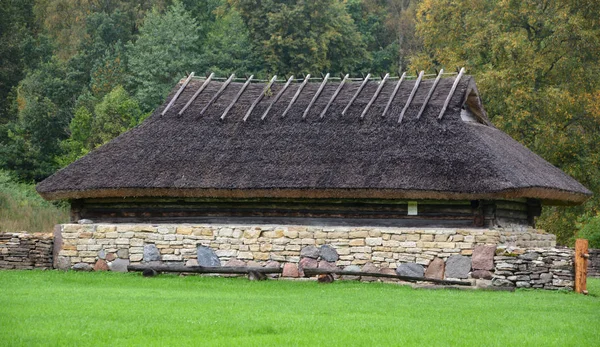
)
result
[(581, 259)]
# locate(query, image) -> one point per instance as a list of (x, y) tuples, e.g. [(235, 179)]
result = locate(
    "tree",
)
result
[(537, 67)]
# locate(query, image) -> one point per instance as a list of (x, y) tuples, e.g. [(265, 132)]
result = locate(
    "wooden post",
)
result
[(581, 259)]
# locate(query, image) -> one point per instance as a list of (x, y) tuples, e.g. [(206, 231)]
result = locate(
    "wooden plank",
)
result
[(296, 95), (316, 95), (177, 94), (581, 259), (426, 101), (216, 96), (411, 96), (335, 94), (364, 112), (362, 85), (454, 85), (237, 96), (313, 272), (268, 87), (202, 87), (277, 97)]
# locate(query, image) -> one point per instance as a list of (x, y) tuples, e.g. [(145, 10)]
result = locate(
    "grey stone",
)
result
[(123, 253), (483, 283), (191, 262), (369, 267), (483, 257), (328, 253), (523, 284), (310, 252), (410, 269), (82, 267), (63, 263), (85, 221), (458, 266), (354, 268), (151, 253), (119, 265), (306, 263), (102, 254), (482, 274), (530, 256), (500, 282), (207, 257), (435, 269)]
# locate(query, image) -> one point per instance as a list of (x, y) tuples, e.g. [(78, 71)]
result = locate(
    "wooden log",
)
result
[(241, 270), (364, 112), (431, 90), (277, 97), (267, 88), (362, 85), (149, 273), (316, 95), (237, 96), (177, 94), (314, 272), (411, 96), (202, 87), (256, 276), (296, 95), (387, 107), (216, 96), (581, 251), (335, 94), (454, 85)]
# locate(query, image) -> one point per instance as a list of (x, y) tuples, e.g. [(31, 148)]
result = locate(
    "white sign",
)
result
[(412, 208)]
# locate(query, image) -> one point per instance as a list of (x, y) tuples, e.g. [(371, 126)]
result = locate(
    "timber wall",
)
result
[(26, 251)]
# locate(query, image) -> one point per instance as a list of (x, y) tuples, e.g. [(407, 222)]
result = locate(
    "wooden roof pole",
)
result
[(202, 87), (411, 96), (364, 112), (216, 96), (362, 85), (237, 96), (177, 94), (435, 83), (296, 95), (277, 97), (387, 107), (447, 102), (316, 95), (262, 94), (335, 94)]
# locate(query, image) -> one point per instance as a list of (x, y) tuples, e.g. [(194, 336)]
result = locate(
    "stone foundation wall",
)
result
[(594, 263), (25, 251)]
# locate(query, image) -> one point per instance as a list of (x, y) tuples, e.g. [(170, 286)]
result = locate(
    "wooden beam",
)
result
[(177, 94), (362, 85), (364, 112), (206, 269), (296, 95), (335, 94), (387, 107), (202, 87), (411, 96), (316, 95), (435, 83), (315, 271), (237, 96), (262, 94), (581, 259), (216, 96), (447, 102), (277, 97)]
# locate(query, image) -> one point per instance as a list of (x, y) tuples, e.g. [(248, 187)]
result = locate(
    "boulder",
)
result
[(310, 252), (369, 267), (63, 263), (410, 269), (151, 253), (458, 266), (436, 269), (119, 265), (207, 257), (483, 257), (273, 264), (306, 263), (354, 268), (290, 270), (482, 274), (101, 265), (328, 253)]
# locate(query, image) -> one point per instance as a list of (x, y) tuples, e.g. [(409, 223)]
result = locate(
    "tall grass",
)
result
[(22, 209)]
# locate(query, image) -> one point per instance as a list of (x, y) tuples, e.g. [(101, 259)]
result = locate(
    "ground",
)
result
[(58, 308)]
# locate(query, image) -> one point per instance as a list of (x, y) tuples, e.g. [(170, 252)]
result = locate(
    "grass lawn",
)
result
[(58, 308)]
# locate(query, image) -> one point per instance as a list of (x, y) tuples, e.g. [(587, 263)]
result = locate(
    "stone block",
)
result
[(483, 257), (306, 263), (101, 265), (374, 241), (119, 265), (358, 234), (151, 253), (436, 269), (482, 274), (328, 253), (458, 266), (410, 269), (82, 267), (207, 257), (290, 270), (310, 252)]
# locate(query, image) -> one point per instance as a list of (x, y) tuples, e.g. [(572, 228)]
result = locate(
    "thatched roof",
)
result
[(334, 156)]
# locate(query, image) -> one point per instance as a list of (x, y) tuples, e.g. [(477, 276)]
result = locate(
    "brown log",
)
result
[(205, 269), (581, 249), (314, 272)]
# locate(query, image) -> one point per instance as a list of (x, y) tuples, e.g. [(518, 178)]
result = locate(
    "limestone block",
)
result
[(374, 241)]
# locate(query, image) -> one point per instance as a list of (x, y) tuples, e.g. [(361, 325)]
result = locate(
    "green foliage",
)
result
[(165, 50), (591, 231)]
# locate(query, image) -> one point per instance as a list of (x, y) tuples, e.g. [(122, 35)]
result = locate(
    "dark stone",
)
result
[(207, 257), (101, 265), (310, 252), (151, 253), (501, 282), (354, 268), (410, 269), (327, 265), (82, 267), (483, 257), (458, 266), (273, 264), (436, 269), (328, 253), (290, 270), (119, 265), (306, 263), (256, 276), (482, 274), (530, 256)]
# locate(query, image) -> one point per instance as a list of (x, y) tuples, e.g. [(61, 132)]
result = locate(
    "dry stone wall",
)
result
[(594, 263), (25, 251)]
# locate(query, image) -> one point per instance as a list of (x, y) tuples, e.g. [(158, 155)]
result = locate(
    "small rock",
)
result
[(101, 265), (482, 274), (102, 254), (328, 253), (119, 265), (63, 263), (310, 252), (530, 256), (436, 269), (123, 253), (458, 266), (290, 270), (410, 269), (85, 221), (207, 257), (523, 284), (151, 253), (369, 267), (191, 262), (501, 282), (354, 268), (306, 263), (111, 257), (82, 267), (483, 257), (483, 283)]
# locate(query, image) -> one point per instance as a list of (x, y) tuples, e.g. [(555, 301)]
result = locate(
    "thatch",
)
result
[(194, 155)]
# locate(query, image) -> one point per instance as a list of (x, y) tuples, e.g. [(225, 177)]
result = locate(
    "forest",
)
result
[(76, 73)]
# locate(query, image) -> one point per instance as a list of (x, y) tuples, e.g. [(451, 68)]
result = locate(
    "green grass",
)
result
[(22, 209), (58, 308)]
